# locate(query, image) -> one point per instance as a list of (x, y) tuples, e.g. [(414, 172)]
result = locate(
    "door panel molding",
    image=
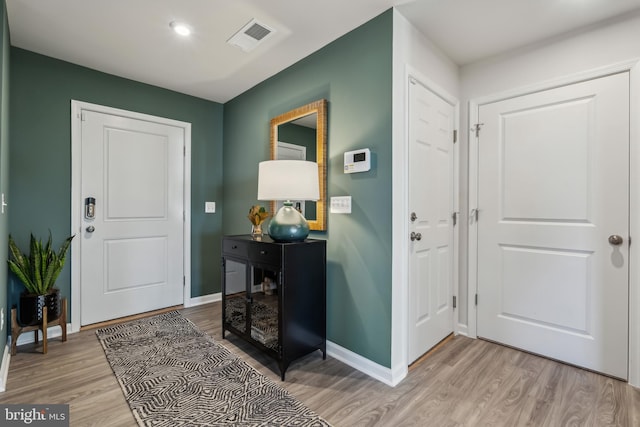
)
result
[(77, 107), (631, 66)]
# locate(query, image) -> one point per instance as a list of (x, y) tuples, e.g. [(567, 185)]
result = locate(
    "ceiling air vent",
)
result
[(251, 35)]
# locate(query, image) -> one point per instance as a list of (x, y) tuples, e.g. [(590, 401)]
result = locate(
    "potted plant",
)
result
[(38, 272)]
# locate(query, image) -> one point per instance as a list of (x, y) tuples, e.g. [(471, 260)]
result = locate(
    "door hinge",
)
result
[(629, 240), (82, 117), (184, 281), (454, 217), (184, 151), (455, 302), (476, 299), (476, 129), (475, 213), (455, 136)]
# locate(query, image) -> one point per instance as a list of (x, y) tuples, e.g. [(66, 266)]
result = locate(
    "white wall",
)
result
[(602, 46), (411, 52), (615, 42)]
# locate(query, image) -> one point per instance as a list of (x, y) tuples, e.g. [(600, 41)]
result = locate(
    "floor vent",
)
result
[(251, 35)]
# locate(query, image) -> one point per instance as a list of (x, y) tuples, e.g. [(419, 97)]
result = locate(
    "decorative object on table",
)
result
[(288, 180), (171, 373), (38, 272), (257, 215)]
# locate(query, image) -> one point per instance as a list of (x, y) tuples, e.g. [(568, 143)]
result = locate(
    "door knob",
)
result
[(415, 236), (413, 216), (615, 240), (91, 229)]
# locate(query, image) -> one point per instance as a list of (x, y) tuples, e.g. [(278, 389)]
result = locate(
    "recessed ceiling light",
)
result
[(180, 28)]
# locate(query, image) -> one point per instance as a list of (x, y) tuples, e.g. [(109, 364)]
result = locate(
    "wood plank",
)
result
[(463, 382)]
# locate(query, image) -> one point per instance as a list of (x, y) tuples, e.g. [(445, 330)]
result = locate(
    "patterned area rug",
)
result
[(172, 374)]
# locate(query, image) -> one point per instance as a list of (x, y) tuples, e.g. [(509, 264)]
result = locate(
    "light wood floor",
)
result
[(464, 383)]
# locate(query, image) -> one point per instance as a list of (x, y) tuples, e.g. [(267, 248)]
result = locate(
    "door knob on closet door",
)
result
[(91, 229), (615, 240), (415, 236)]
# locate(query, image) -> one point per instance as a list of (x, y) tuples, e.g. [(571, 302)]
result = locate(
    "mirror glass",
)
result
[(300, 134)]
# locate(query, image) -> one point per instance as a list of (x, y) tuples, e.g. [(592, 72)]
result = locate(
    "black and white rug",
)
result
[(173, 374)]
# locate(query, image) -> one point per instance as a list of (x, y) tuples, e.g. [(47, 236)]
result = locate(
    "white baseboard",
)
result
[(366, 366), (4, 368), (205, 299), (463, 330)]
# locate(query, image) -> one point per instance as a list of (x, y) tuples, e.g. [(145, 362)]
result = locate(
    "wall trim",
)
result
[(204, 299), (76, 196), (633, 67), (388, 376), (4, 368)]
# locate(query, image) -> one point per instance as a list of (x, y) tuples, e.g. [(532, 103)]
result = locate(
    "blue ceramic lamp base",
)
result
[(288, 225)]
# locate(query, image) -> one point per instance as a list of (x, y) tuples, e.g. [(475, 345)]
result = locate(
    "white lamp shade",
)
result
[(288, 180)]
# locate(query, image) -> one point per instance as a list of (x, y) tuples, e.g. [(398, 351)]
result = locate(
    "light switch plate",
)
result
[(209, 207), (341, 204)]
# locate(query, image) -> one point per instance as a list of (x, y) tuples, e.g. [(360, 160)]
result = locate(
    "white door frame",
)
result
[(76, 196), (633, 67), (403, 236)]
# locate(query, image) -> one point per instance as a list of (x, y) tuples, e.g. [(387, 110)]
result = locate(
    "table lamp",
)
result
[(288, 180)]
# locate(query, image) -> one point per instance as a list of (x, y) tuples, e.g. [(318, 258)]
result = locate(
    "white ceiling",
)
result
[(132, 38)]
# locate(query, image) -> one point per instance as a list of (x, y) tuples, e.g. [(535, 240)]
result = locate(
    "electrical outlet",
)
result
[(209, 207)]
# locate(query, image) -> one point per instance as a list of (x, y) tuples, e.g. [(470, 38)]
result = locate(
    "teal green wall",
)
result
[(4, 162), (40, 178), (354, 74)]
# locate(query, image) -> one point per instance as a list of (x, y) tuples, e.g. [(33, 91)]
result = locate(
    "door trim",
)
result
[(633, 67), (76, 197)]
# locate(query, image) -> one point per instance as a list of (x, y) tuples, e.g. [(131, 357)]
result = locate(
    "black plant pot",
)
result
[(31, 307)]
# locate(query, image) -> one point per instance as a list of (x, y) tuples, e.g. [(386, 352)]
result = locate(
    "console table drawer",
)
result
[(266, 254), (235, 248)]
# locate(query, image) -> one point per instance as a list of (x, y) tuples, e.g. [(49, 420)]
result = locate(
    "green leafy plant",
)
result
[(39, 270)]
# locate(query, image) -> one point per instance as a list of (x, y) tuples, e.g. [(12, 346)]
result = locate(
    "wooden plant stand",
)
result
[(16, 329)]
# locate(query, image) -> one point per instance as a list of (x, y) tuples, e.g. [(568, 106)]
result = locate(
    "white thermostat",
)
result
[(357, 161)]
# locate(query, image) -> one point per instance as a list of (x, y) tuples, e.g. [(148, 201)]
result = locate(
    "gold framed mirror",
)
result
[(301, 134)]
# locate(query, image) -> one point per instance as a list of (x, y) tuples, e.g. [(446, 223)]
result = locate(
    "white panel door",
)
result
[(431, 121), (132, 251), (553, 187)]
